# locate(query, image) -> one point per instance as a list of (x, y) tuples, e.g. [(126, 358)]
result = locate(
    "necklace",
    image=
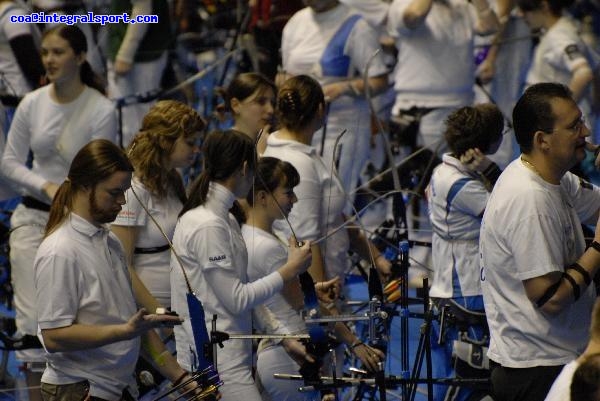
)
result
[(530, 166)]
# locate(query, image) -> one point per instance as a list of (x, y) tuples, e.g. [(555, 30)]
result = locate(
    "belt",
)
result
[(33, 203), (154, 249), (412, 114)]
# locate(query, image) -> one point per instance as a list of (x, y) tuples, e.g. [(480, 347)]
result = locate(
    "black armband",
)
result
[(550, 291), (586, 275), (491, 173), (595, 244), (576, 289)]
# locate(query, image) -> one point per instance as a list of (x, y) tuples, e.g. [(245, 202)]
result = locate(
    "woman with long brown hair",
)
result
[(250, 97), (213, 255), (54, 122), (167, 141), (321, 198)]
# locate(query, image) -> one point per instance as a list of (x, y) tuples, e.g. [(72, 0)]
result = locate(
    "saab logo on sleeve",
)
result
[(216, 258)]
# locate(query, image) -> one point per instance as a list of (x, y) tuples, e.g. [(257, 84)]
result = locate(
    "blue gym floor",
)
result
[(358, 291), (10, 377), (13, 388)]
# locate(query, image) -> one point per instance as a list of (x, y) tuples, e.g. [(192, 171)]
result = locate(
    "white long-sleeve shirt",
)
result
[(209, 242), (38, 125)]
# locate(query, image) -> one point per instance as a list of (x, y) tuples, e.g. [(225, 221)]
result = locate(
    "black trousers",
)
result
[(522, 384)]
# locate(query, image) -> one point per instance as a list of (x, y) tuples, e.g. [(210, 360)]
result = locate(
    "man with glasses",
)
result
[(535, 268)]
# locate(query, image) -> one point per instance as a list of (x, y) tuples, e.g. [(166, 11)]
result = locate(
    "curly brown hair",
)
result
[(166, 121), (478, 126)]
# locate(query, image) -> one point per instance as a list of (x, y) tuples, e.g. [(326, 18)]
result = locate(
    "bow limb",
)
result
[(153, 348), (318, 345), (350, 220), (398, 209), (359, 240), (380, 128), (395, 166), (206, 373)]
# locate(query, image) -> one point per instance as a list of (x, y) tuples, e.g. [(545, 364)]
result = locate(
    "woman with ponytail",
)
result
[(52, 122), (209, 243), (321, 198)]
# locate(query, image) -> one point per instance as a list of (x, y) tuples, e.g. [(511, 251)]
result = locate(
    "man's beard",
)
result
[(99, 215)]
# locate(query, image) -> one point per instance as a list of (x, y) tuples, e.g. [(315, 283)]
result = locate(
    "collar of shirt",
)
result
[(219, 199), (277, 142), (85, 227), (450, 160)]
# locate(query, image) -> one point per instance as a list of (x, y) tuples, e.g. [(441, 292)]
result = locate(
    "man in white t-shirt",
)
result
[(560, 390), (535, 268), (435, 73)]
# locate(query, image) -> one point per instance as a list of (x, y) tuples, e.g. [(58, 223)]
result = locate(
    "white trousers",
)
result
[(238, 385), (28, 225), (275, 360)]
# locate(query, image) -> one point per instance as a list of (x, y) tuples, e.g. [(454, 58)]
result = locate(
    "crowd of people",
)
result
[(114, 226)]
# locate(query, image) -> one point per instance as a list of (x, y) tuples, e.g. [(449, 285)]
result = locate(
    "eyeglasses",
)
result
[(577, 127)]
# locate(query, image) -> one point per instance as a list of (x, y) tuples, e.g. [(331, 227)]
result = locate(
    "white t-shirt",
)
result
[(38, 125), (435, 65), (266, 254), (153, 268), (209, 242), (16, 84), (457, 200), (333, 46), (560, 51), (321, 201), (81, 277), (330, 46), (531, 228), (561, 389)]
